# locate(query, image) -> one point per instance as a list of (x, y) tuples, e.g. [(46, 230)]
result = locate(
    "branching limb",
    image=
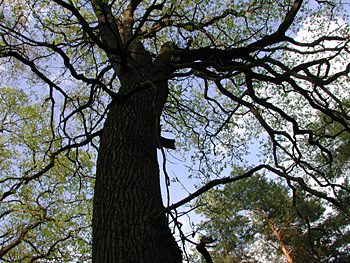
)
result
[(201, 248)]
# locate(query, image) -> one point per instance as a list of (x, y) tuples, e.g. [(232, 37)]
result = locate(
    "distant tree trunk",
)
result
[(276, 233), (127, 201)]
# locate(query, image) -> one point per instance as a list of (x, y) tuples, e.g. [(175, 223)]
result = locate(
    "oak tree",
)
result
[(219, 76)]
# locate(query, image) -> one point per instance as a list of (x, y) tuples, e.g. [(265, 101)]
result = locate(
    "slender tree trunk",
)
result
[(127, 201), (279, 238)]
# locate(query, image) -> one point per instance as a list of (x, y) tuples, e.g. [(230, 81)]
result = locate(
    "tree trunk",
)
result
[(127, 200), (285, 251)]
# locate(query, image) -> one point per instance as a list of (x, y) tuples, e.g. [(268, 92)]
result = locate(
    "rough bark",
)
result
[(127, 201)]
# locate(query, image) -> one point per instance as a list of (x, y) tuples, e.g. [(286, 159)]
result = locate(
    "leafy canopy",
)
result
[(245, 76)]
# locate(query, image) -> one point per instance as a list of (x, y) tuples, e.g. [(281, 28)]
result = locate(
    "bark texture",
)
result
[(127, 201)]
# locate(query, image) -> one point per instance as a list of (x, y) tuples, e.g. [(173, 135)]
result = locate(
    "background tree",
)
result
[(256, 220), (49, 218), (218, 76), (258, 210)]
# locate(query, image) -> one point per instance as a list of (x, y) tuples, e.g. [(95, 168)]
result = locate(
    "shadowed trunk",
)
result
[(127, 192)]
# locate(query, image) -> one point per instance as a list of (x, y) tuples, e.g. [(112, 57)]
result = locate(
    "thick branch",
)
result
[(85, 26), (19, 240), (201, 248), (111, 35), (213, 56)]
